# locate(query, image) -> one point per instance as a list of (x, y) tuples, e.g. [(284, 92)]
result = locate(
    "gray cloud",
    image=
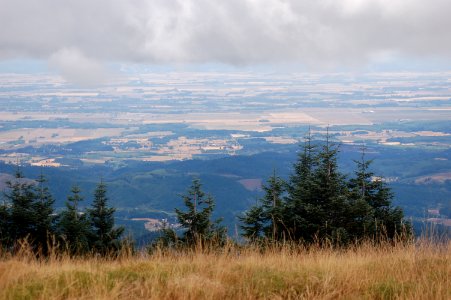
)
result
[(77, 68), (238, 32)]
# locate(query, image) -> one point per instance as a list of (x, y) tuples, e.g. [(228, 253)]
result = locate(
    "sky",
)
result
[(82, 39)]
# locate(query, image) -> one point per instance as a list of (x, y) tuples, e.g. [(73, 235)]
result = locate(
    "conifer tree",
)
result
[(361, 214), (382, 220), (267, 218), (4, 226), (302, 192), (21, 197), (301, 180), (73, 226), (253, 223), (199, 228), (322, 204), (105, 236), (331, 196), (27, 213), (317, 201), (45, 217), (273, 208)]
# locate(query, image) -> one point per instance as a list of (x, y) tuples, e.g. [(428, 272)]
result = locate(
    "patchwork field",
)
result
[(38, 136)]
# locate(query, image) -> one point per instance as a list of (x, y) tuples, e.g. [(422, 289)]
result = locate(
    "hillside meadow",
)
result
[(414, 271)]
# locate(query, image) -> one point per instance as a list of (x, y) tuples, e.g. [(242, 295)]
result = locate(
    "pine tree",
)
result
[(20, 196), (274, 208), (361, 219), (302, 192), (199, 228), (377, 218), (332, 204), (253, 223), (45, 217), (5, 239), (28, 213), (105, 236), (73, 226), (301, 183), (317, 203), (267, 218), (322, 205)]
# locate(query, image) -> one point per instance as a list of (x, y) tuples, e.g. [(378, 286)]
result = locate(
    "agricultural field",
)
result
[(200, 114)]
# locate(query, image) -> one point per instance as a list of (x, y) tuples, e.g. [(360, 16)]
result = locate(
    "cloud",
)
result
[(77, 68), (237, 32)]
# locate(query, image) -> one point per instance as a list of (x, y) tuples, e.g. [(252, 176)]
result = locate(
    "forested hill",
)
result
[(152, 189)]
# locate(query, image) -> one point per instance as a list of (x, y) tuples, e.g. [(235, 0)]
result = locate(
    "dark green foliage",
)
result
[(273, 208), (4, 226), (302, 191), (105, 237), (372, 195), (253, 223), (27, 213), (331, 196), (21, 199), (267, 219), (45, 217), (74, 226), (321, 204), (359, 192), (196, 220)]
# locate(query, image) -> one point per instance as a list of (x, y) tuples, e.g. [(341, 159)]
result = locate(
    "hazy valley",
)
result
[(148, 135)]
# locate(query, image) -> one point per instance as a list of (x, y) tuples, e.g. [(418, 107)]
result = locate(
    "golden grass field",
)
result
[(414, 271)]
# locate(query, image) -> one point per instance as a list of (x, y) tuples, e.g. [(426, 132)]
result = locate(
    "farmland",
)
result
[(158, 117)]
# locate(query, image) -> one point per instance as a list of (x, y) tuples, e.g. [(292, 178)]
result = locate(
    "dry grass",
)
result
[(404, 271)]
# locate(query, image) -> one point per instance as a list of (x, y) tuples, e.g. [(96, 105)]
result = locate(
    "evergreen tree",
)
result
[(301, 182), (5, 239), (378, 217), (267, 218), (273, 208), (361, 224), (302, 192), (199, 228), (332, 204), (317, 203), (45, 217), (27, 213), (321, 204), (73, 226), (21, 197), (253, 223), (105, 237)]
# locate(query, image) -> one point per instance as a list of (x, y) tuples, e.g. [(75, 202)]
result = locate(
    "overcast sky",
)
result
[(73, 36)]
